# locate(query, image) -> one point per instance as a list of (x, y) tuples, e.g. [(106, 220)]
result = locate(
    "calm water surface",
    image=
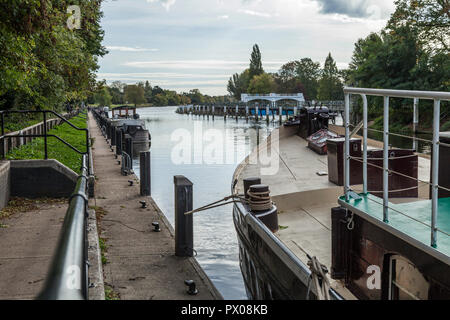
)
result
[(215, 238)]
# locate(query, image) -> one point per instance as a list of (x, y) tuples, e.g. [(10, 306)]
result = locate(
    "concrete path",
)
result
[(27, 243), (141, 264)]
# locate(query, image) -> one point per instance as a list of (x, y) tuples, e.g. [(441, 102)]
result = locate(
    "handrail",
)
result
[(68, 275), (437, 97), (45, 135), (430, 95)]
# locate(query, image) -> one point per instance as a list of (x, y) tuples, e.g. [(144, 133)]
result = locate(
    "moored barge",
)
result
[(376, 225)]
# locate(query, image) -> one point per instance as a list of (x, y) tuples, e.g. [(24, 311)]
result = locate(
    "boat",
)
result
[(126, 119), (340, 235)]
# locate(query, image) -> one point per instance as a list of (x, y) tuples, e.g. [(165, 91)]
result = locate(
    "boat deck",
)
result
[(304, 198), (412, 219)]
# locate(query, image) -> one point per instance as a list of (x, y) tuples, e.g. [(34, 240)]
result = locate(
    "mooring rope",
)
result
[(215, 204), (259, 201)]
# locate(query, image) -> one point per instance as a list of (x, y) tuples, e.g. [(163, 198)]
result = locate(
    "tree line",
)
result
[(300, 76), (144, 94), (411, 52)]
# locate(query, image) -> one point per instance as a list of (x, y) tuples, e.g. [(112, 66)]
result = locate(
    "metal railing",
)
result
[(437, 97), (45, 135), (68, 275)]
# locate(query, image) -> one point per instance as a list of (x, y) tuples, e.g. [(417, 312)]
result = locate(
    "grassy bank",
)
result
[(56, 149)]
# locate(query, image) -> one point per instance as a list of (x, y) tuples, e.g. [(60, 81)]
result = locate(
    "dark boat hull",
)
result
[(270, 270)]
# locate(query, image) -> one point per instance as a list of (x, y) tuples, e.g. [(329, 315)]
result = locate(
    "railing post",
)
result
[(347, 147), (415, 121), (386, 160), (45, 136), (145, 173), (435, 172), (365, 116), (184, 225)]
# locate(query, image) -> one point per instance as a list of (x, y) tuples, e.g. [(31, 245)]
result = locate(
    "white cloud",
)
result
[(159, 75), (129, 49), (200, 64), (224, 17), (255, 13), (165, 3)]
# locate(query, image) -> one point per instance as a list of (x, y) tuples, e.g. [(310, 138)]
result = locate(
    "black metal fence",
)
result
[(43, 134), (68, 275)]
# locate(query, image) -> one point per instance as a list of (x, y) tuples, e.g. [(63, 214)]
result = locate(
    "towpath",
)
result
[(139, 263)]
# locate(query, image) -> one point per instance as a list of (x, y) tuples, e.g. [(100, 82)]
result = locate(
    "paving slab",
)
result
[(27, 243)]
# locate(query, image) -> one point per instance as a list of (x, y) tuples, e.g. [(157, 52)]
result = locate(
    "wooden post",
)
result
[(184, 224)]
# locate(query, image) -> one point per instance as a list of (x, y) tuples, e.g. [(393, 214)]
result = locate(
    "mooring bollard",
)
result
[(118, 142), (113, 136), (145, 174), (129, 150), (184, 225)]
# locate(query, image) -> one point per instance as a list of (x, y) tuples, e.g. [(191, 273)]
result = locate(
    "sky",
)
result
[(198, 44)]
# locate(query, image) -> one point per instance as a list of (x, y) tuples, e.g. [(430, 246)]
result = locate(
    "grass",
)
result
[(56, 149), (110, 294)]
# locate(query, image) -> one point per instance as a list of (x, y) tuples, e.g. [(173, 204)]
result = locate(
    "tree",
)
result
[(134, 94), (160, 100), (308, 73), (255, 62), (196, 97), (262, 84), (429, 19), (148, 92), (44, 63), (330, 85), (102, 97), (239, 83)]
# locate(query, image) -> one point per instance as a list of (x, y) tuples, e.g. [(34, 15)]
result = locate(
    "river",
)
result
[(224, 144)]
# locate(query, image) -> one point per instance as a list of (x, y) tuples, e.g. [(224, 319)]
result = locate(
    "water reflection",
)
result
[(215, 239)]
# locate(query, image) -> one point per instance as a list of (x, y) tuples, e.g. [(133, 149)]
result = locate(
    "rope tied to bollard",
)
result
[(259, 201), (215, 204)]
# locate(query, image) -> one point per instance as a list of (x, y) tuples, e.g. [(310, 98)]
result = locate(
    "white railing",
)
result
[(437, 97)]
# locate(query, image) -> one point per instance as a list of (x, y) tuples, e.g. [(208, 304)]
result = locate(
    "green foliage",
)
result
[(134, 94), (330, 85), (56, 149), (262, 84), (44, 63), (238, 84), (299, 76), (411, 53), (256, 68), (103, 97)]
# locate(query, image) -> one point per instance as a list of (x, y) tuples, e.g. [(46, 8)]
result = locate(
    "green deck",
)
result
[(420, 210)]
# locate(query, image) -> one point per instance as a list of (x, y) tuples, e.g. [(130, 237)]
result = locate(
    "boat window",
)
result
[(406, 281)]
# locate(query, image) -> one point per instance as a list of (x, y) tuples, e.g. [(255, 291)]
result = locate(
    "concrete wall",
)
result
[(41, 178), (5, 183)]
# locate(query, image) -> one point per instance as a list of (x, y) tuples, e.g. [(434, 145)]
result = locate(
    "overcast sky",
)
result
[(187, 44)]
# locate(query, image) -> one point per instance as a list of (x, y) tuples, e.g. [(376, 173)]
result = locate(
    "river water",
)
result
[(207, 152)]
